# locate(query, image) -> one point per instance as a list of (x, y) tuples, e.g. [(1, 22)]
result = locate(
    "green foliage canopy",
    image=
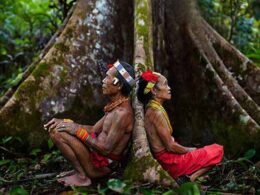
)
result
[(25, 28), (27, 25), (237, 21)]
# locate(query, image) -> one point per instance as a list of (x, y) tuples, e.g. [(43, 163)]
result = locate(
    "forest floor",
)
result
[(35, 173)]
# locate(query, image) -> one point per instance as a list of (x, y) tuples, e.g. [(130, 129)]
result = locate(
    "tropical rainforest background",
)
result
[(26, 26)]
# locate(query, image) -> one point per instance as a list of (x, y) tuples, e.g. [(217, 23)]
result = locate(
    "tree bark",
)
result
[(67, 80), (215, 87), (143, 167)]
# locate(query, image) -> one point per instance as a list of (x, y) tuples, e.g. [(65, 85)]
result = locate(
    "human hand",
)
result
[(191, 149), (69, 127), (52, 124)]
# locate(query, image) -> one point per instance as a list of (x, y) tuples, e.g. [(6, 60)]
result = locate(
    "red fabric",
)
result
[(98, 160), (114, 157), (185, 164), (93, 135), (101, 161)]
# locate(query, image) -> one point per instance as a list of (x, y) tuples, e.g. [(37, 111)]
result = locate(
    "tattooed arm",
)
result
[(97, 128), (114, 136)]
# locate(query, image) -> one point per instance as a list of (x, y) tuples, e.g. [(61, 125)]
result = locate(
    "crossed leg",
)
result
[(78, 155)]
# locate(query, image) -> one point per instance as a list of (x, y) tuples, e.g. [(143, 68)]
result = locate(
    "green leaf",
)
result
[(19, 139), (18, 191), (101, 191), (79, 190), (50, 144), (169, 192), (250, 154), (4, 162), (47, 157), (35, 151), (7, 139), (116, 185), (189, 189), (146, 191)]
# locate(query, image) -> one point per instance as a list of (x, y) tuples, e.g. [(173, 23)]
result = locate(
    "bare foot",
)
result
[(75, 180), (62, 179), (203, 178), (198, 173), (66, 173)]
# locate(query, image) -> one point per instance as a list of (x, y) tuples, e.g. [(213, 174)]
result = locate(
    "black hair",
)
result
[(126, 88), (144, 98)]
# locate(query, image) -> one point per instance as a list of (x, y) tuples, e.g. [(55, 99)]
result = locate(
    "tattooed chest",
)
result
[(107, 123)]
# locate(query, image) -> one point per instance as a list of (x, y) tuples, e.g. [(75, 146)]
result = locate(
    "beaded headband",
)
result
[(124, 73)]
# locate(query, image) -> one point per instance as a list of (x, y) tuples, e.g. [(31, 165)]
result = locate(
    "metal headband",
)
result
[(124, 73)]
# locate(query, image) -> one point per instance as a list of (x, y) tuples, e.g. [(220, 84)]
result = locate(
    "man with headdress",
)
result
[(92, 149)]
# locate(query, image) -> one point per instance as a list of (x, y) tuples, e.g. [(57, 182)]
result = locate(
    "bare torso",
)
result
[(155, 141), (159, 133), (108, 135)]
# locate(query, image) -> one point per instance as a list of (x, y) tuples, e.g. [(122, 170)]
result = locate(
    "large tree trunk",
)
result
[(143, 167), (215, 87), (67, 80)]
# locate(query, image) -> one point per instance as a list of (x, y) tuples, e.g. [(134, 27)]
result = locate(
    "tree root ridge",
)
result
[(232, 101), (241, 95), (210, 55), (242, 67)]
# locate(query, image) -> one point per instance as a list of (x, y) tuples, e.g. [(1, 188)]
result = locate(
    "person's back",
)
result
[(176, 159), (151, 116), (155, 121)]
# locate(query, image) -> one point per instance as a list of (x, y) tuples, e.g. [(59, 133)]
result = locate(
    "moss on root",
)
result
[(28, 98), (153, 171), (142, 27), (234, 137), (41, 70), (62, 47)]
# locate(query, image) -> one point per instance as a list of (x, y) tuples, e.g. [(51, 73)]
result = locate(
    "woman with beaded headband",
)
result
[(178, 160)]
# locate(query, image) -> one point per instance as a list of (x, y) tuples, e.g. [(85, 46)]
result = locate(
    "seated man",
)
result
[(90, 149), (176, 159)]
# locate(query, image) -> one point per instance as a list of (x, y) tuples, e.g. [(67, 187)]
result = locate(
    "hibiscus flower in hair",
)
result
[(109, 66), (150, 76)]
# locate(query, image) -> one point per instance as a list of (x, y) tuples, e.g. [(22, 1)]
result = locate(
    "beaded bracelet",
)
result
[(66, 120), (82, 134)]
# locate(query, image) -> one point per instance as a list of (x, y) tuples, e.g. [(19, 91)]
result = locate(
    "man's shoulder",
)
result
[(121, 112)]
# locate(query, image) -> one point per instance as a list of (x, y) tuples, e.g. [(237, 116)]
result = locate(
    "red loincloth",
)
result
[(102, 161), (184, 164)]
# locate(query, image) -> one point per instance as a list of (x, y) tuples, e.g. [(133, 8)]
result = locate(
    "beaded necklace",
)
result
[(157, 106), (112, 105)]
